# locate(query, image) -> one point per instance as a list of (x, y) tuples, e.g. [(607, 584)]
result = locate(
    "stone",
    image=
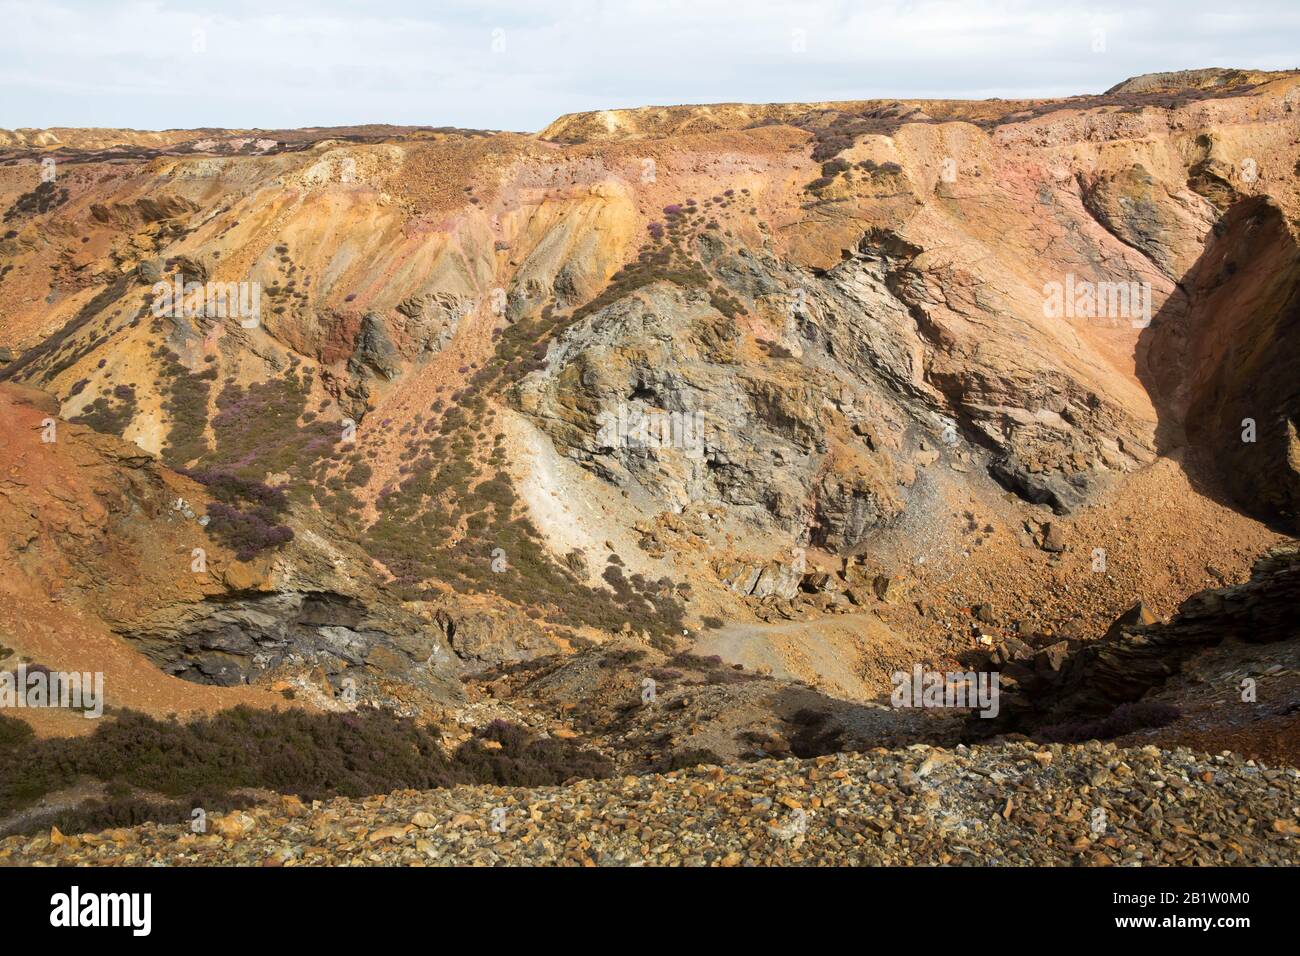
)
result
[(233, 826), (933, 762), (1139, 615), (1052, 658), (858, 595), (1053, 537), (819, 582)]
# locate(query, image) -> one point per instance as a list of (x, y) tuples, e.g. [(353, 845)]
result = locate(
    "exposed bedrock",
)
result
[(234, 638), (1220, 361), (814, 426)]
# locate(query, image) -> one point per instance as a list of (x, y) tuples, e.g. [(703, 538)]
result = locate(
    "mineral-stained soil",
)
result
[(761, 404)]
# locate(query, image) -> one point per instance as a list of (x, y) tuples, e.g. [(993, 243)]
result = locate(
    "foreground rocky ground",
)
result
[(1010, 804)]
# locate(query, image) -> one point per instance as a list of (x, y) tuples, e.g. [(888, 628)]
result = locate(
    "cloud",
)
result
[(517, 65)]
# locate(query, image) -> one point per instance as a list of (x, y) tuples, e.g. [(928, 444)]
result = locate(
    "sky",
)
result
[(518, 64)]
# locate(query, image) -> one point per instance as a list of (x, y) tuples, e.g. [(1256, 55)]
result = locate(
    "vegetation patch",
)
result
[(159, 769), (186, 406), (110, 413), (245, 516), (46, 197)]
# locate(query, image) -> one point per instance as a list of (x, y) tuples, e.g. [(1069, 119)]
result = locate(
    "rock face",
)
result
[(375, 353), (481, 638), (655, 392), (764, 581), (1164, 221), (1217, 359), (234, 640), (814, 432)]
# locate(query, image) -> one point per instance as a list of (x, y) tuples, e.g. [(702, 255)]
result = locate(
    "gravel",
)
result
[(1012, 803)]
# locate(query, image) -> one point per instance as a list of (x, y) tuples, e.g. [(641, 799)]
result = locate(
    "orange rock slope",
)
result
[(901, 326)]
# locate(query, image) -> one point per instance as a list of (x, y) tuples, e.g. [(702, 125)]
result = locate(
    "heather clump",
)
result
[(246, 514), (111, 413), (157, 769)]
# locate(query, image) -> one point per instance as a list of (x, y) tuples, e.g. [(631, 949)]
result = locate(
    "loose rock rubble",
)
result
[(1056, 681), (1009, 804)]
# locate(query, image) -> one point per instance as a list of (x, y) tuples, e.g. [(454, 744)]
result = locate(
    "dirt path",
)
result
[(849, 656)]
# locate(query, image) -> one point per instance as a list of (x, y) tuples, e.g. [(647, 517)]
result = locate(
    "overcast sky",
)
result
[(517, 64)]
